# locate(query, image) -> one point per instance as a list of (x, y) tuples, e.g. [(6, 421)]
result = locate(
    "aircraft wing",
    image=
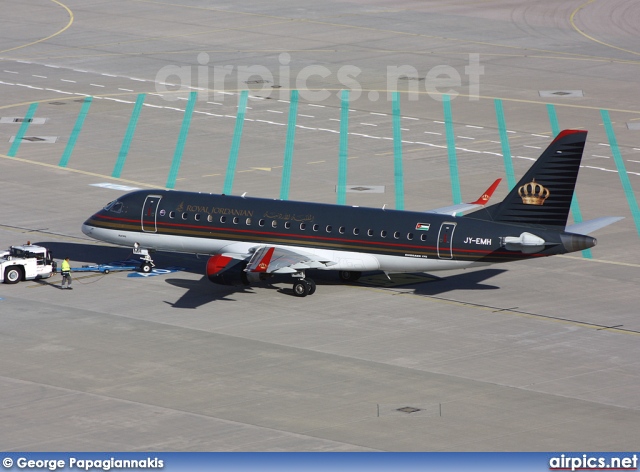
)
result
[(276, 260), (461, 207)]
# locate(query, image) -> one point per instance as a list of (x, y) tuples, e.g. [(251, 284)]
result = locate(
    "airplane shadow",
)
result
[(465, 281)]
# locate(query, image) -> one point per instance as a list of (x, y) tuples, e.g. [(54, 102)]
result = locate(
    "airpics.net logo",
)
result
[(588, 462), (316, 82)]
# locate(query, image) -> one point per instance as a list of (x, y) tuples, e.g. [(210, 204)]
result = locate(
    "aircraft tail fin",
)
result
[(543, 196)]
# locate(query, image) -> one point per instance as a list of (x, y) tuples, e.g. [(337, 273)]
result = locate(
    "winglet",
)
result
[(484, 199), (263, 265)]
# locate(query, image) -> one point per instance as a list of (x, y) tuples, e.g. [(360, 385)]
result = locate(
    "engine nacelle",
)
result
[(225, 270)]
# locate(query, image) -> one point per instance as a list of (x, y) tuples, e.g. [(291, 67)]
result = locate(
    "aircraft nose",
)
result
[(577, 242)]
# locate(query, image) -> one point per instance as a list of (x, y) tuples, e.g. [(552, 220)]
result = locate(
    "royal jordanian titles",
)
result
[(252, 239)]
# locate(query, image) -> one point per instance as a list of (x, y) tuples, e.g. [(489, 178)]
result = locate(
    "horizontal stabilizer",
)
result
[(588, 227)]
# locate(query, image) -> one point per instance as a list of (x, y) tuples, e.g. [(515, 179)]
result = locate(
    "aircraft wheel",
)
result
[(311, 286), (106, 271), (301, 288), (12, 275), (145, 267), (349, 276)]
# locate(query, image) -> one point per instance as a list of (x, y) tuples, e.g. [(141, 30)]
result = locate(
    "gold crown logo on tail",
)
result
[(533, 193)]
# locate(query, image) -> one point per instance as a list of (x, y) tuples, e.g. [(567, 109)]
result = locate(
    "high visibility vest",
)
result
[(65, 267)]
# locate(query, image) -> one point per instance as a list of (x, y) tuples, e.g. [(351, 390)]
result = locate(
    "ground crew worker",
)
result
[(65, 270)]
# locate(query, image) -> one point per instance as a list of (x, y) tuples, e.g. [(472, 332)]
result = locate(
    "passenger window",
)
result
[(423, 237), (223, 219), (235, 220), (274, 224), (356, 231), (409, 236), (341, 230), (185, 215), (396, 235), (248, 222), (303, 226), (383, 233), (197, 217), (287, 225), (172, 214), (329, 228), (261, 223), (316, 227), (370, 232), (209, 218)]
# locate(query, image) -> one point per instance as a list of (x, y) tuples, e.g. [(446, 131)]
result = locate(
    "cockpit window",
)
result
[(114, 206)]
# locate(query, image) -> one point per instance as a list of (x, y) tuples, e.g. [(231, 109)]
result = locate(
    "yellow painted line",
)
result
[(48, 37), (578, 30), (506, 311), (77, 171)]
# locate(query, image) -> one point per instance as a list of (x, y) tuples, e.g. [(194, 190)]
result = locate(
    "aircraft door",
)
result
[(445, 240), (149, 213)]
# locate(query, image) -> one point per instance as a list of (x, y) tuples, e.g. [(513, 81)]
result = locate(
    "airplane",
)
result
[(251, 239)]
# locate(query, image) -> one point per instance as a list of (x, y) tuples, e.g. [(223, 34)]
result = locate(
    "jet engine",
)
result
[(225, 270)]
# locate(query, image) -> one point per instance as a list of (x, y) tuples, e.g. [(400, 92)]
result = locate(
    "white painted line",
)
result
[(53, 67), (378, 114), (333, 119), (275, 111), (67, 80), (137, 80), (109, 75), (431, 132), (59, 91), (307, 116), (368, 124), (6, 83), (97, 85), (314, 105), (604, 144), (465, 137), (532, 147), (80, 70), (39, 76), (11, 72), (629, 160), (149, 105), (410, 118), (125, 90), (605, 157), (476, 127)]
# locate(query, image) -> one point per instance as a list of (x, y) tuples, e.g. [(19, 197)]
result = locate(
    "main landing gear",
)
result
[(304, 287)]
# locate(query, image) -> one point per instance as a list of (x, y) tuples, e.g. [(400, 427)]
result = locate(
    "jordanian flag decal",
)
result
[(423, 226)]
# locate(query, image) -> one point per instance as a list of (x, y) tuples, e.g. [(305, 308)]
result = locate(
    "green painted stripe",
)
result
[(451, 150), (235, 144), (504, 140), (23, 129), (344, 146), (622, 171), (575, 207), (553, 119), (398, 173), (182, 139), (66, 155), (126, 142), (288, 149)]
